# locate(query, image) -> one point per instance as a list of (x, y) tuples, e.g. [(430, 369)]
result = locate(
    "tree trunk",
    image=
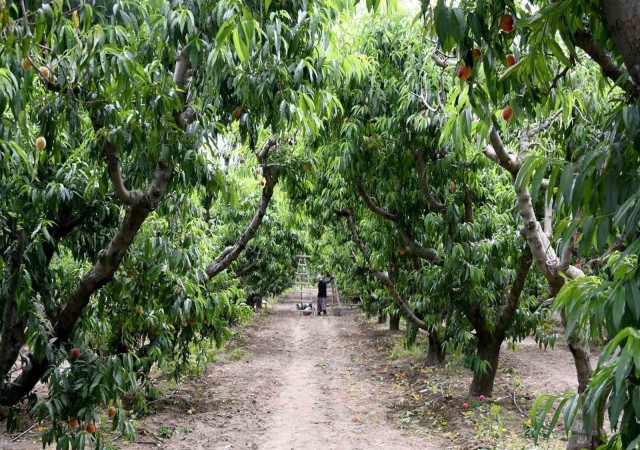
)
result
[(394, 322), (436, 353), (382, 317), (623, 21), (488, 350)]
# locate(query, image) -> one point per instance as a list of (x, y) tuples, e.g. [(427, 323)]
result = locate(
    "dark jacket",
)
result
[(322, 286)]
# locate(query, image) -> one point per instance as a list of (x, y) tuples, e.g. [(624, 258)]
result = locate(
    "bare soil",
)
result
[(290, 381)]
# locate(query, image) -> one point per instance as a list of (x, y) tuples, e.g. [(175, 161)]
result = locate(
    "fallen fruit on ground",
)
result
[(482, 398), (189, 412), (465, 405)]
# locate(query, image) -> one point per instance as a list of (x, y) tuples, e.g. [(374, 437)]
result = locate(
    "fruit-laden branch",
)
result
[(100, 274), (412, 245), (230, 254), (143, 203), (422, 179), (12, 336), (545, 257), (381, 276)]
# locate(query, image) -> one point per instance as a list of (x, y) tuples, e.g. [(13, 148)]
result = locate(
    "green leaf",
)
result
[(242, 49)]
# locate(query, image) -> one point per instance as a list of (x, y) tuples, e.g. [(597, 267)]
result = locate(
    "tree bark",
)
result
[(382, 317), (623, 21), (488, 350), (436, 353), (548, 263), (394, 322)]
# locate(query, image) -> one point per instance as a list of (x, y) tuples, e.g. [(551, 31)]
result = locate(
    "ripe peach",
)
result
[(44, 71), (511, 60), (464, 72), (237, 113), (91, 428), (112, 411), (26, 64), (507, 113), (506, 23), (75, 353)]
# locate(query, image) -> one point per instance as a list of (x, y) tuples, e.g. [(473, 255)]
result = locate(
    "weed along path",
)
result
[(289, 382)]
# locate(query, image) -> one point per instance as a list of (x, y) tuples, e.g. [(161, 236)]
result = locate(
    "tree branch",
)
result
[(381, 276), (505, 159), (372, 206), (412, 245), (610, 69), (508, 309), (246, 269), (544, 125), (230, 254), (422, 179)]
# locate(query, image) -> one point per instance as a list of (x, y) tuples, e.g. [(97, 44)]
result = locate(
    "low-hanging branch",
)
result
[(381, 276), (230, 254), (413, 246)]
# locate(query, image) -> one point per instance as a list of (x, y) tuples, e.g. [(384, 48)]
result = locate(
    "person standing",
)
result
[(322, 293)]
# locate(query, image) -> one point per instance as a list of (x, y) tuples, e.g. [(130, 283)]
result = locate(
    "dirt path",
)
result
[(303, 383), (289, 381)]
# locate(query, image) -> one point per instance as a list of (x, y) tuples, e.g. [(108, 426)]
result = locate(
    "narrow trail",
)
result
[(301, 383)]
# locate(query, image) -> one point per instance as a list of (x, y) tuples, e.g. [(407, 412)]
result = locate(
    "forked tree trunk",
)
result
[(488, 350), (394, 322)]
